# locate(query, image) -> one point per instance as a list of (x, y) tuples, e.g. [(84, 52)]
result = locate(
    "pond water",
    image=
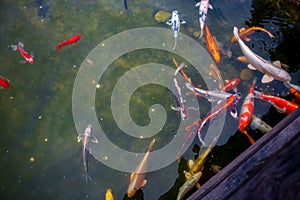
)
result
[(40, 154)]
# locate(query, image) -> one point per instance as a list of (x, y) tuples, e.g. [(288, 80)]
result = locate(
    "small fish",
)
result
[(231, 84), (109, 195), (247, 112), (271, 70), (203, 9), (175, 22), (71, 40), (125, 4), (211, 96), (245, 32), (28, 57), (179, 97), (188, 185), (87, 138), (258, 124), (198, 165), (4, 83), (212, 45), (137, 178), (281, 105)]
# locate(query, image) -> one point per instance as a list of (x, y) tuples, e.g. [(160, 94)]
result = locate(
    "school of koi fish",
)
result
[(227, 102)]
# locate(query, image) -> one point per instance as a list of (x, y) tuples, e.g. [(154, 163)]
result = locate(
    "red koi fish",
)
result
[(247, 112), (28, 57), (281, 105), (212, 45), (4, 83), (231, 85), (245, 32), (227, 105), (73, 39)]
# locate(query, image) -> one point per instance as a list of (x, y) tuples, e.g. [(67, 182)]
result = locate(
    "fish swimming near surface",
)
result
[(245, 32), (87, 138), (212, 45), (137, 178), (175, 22), (188, 185), (71, 40), (281, 105), (231, 85), (271, 70), (109, 195), (247, 112), (203, 9), (4, 83), (28, 57)]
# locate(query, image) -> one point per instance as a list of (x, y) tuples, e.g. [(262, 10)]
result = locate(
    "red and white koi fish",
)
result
[(247, 112), (203, 9), (87, 138), (245, 32), (137, 178), (179, 98), (175, 22), (28, 57), (281, 105), (4, 83), (231, 84), (271, 70), (212, 45), (71, 40)]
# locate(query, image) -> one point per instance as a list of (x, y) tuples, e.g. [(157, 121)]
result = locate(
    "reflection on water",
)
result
[(40, 157)]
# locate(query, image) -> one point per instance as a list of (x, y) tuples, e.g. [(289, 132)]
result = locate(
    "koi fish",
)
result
[(203, 9), (231, 84), (188, 185), (281, 105), (271, 70), (212, 45), (258, 124), (137, 178), (216, 74), (71, 40), (108, 194), (198, 165), (179, 98), (215, 95), (87, 138), (245, 32), (175, 22), (247, 112), (125, 4), (4, 83), (28, 57), (296, 94)]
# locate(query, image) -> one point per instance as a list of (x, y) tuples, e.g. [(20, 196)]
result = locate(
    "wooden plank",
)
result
[(234, 175)]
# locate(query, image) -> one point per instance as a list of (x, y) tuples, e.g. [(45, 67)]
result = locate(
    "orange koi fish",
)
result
[(281, 105), (245, 32), (247, 112), (212, 45), (108, 195), (28, 57), (4, 83), (71, 40)]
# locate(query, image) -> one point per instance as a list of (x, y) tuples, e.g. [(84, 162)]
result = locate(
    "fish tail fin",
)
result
[(58, 47), (236, 33), (20, 44), (14, 47), (201, 33), (151, 145)]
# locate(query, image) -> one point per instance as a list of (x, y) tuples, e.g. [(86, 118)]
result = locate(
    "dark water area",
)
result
[(40, 156)]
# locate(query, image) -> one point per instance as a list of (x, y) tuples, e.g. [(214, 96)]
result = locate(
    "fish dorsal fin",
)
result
[(266, 79), (277, 63), (251, 67), (144, 183), (191, 163)]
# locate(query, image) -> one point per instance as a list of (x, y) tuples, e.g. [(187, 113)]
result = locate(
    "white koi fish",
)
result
[(137, 178), (87, 138), (203, 9), (175, 22), (271, 70)]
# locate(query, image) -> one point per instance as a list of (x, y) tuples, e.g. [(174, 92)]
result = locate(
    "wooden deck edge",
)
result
[(234, 173)]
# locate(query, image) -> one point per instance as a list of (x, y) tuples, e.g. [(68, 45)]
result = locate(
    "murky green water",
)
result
[(40, 155)]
